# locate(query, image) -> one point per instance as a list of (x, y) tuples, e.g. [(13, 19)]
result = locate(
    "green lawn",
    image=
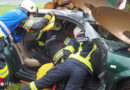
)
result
[(14, 86), (6, 7)]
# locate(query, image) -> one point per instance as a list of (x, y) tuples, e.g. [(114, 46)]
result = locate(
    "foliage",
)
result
[(128, 7), (14, 86)]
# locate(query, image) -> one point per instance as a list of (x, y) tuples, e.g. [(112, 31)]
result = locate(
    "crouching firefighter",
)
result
[(22, 17), (76, 66), (10, 28), (50, 45), (4, 72)]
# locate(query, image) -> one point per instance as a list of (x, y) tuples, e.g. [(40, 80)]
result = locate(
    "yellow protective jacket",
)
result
[(43, 70), (80, 50)]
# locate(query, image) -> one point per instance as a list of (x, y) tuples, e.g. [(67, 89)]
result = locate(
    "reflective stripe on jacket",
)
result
[(33, 86), (4, 72), (28, 24), (41, 43), (49, 26), (86, 59), (69, 48), (10, 20), (80, 49), (67, 40), (59, 53), (53, 41), (1, 33), (57, 56)]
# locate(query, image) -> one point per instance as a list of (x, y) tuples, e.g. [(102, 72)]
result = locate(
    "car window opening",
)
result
[(25, 54)]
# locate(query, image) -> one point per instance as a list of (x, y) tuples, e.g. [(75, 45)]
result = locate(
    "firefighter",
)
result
[(10, 29), (51, 44), (76, 67), (22, 17), (4, 72)]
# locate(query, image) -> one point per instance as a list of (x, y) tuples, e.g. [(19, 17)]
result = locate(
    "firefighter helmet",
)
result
[(29, 5), (57, 26), (77, 31)]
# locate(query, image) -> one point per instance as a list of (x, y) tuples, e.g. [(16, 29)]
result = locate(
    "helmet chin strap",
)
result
[(28, 14), (78, 34), (31, 15)]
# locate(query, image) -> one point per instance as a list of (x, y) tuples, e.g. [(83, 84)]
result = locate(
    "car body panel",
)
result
[(118, 67)]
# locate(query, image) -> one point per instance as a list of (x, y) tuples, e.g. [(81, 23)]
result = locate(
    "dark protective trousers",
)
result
[(74, 72), (42, 57)]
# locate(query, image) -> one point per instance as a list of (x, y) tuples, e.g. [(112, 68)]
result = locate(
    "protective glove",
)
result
[(49, 15)]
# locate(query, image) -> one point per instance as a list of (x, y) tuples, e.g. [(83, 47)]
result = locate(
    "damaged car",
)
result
[(111, 60)]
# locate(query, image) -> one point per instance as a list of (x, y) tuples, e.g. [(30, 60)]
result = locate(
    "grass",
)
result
[(128, 7), (7, 7), (14, 86), (4, 7)]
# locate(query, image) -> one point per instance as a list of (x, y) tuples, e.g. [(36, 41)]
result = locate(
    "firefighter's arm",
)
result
[(70, 49), (31, 25), (41, 38), (38, 42)]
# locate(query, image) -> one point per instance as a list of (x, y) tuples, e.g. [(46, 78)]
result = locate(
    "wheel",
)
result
[(125, 85), (4, 74)]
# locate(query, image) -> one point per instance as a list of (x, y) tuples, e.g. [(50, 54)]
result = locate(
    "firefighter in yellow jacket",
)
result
[(4, 72), (49, 45), (76, 67), (13, 25)]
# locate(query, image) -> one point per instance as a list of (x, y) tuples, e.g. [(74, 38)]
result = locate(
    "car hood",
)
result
[(115, 21)]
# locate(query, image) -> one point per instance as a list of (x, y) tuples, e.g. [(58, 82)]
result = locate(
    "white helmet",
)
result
[(57, 26), (29, 5), (77, 31)]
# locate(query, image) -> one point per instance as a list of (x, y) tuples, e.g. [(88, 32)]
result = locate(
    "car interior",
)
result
[(24, 53), (68, 28)]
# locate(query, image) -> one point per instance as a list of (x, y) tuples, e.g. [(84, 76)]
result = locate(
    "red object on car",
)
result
[(1, 80)]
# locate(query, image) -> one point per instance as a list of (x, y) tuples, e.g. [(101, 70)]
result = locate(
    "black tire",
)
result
[(125, 85), (11, 72), (12, 76)]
